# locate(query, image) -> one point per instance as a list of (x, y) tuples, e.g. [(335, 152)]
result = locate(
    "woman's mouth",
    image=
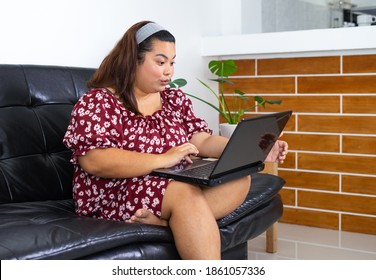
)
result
[(164, 82)]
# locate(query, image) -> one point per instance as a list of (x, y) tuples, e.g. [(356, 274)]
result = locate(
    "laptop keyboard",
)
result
[(199, 171)]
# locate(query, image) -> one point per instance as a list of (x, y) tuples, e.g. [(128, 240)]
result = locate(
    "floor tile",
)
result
[(309, 243)]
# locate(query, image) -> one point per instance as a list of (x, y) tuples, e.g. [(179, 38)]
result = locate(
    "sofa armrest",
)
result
[(264, 187)]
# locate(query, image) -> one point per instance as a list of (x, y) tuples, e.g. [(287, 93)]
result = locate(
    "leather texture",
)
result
[(37, 219)]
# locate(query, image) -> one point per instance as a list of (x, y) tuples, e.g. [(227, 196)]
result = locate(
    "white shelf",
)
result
[(318, 40)]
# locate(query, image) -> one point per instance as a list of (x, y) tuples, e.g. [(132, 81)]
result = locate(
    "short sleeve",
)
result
[(191, 123), (95, 123)]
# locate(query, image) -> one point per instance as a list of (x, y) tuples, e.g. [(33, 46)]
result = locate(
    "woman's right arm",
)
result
[(118, 163)]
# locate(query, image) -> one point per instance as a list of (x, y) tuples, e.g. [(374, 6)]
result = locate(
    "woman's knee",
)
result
[(242, 185), (247, 181), (181, 195)]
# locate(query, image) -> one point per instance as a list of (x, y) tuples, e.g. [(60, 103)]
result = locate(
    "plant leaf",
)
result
[(244, 98), (223, 68), (178, 83), (259, 99), (239, 92), (171, 84), (273, 101), (222, 81)]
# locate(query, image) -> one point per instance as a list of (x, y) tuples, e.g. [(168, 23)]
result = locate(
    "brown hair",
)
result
[(118, 68)]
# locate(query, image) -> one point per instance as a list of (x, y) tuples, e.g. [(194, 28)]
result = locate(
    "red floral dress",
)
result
[(100, 121)]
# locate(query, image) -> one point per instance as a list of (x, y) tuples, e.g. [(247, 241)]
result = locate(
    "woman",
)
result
[(128, 124)]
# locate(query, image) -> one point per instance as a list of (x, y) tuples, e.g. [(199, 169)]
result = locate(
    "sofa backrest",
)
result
[(35, 107)]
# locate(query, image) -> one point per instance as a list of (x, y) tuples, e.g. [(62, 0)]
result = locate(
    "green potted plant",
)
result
[(234, 113)]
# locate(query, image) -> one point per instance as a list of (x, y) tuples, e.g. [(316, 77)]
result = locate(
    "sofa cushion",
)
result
[(35, 106), (51, 230)]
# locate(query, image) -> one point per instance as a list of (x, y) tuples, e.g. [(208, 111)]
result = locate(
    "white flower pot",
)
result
[(226, 129)]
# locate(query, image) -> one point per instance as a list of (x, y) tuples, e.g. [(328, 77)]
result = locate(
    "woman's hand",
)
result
[(176, 154), (279, 152)]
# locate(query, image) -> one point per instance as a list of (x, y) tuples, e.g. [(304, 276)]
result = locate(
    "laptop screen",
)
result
[(251, 142)]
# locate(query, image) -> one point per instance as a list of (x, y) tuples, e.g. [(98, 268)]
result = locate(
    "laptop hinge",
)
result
[(259, 163)]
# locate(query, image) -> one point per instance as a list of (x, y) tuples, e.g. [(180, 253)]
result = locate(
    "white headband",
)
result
[(147, 30)]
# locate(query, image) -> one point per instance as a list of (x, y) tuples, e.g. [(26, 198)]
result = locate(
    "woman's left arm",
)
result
[(213, 146), (209, 145)]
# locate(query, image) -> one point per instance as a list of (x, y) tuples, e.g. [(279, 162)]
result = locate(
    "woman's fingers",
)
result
[(179, 153)]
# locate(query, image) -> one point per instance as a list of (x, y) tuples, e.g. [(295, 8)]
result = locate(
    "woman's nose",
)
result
[(168, 70)]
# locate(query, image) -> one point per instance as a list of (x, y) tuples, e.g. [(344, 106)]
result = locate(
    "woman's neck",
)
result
[(149, 103)]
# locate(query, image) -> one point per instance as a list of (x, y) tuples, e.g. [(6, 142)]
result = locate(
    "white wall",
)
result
[(82, 32)]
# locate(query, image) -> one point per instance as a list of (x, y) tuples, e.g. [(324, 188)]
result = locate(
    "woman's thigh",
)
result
[(220, 200), (225, 198)]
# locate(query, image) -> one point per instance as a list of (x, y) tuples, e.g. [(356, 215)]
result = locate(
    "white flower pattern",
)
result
[(99, 120)]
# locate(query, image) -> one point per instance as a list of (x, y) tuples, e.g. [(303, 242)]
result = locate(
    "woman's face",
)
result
[(157, 69)]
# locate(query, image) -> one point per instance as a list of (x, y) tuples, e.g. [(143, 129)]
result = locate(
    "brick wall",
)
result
[(330, 172)]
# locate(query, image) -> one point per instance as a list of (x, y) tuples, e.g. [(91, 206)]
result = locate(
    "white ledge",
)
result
[(318, 40)]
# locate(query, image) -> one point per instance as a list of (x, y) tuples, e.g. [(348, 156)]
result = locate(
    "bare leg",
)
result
[(193, 225), (192, 214), (225, 198)]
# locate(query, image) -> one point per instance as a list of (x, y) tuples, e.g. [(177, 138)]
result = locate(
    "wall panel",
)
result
[(330, 171)]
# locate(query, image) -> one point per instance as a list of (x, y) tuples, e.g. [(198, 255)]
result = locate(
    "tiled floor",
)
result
[(309, 243)]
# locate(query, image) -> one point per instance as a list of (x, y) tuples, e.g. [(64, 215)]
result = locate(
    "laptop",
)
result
[(243, 155)]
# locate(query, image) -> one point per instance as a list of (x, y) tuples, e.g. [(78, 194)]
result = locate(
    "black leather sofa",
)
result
[(37, 219)]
